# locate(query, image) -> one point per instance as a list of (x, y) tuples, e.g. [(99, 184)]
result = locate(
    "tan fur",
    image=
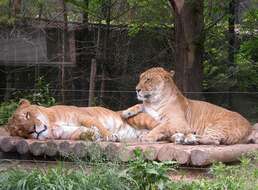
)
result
[(106, 121), (163, 100)]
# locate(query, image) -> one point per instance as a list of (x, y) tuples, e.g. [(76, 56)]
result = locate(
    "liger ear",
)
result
[(172, 73), (24, 103)]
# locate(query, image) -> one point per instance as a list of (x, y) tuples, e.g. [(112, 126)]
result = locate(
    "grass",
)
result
[(66, 179), (243, 176), (137, 175)]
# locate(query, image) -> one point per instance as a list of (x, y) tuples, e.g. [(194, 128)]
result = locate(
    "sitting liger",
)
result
[(75, 123), (177, 114)]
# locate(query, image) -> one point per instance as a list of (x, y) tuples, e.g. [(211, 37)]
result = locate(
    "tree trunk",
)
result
[(65, 49), (231, 32), (107, 15), (16, 7), (232, 11), (85, 14), (189, 37), (93, 71)]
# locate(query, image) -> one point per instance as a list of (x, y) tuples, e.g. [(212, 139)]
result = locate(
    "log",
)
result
[(166, 153), (199, 155), (65, 148), (182, 153), (182, 156), (117, 151), (22, 146), (112, 150), (8, 144), (95, 151), (150, 152), (179, 153), (125, 154), (80, 149), (202, 155), (51, 148), (37, 148)]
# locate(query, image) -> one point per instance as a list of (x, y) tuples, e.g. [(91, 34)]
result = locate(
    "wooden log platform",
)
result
[(196, 155)]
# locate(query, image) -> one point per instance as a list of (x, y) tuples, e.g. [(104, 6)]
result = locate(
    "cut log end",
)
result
[(8, 144), (37, 148), (111, 151), (95, 151), (125, 154), (65, 148), (166, 153), (22, 147), (51, 148), (200, 158), (80, 149), (150, 153)]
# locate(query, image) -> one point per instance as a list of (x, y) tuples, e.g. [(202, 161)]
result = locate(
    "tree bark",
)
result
[(65, 49), (16, 7), (93, 72), (231, 31), (232, 11), (189, 37), (209, 154), (106, 10), (85, 14)]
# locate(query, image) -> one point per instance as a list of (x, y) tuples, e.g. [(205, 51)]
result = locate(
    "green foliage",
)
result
[(219, 74), (5, 14), (151, 12), (36, 8), (149, 174), (149, 15), (40, 95), (65, 179), (235, 177), (6, 110), (138, 175)]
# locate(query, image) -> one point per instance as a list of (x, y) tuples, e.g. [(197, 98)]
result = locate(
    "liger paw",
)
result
[(191, 139), (178, 138)]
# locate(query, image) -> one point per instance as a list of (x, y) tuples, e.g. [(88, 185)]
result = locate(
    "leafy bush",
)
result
[(40, 95), (235, 177), (139, 175), (6, 110), (66, 179), (149, 174)]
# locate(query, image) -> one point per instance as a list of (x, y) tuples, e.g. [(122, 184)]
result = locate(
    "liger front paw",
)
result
[(91, 134), (127, 113), (191, 139), (178, 138), (132, 111)]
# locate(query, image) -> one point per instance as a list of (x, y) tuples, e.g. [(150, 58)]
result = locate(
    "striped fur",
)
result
[(69, 122)]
